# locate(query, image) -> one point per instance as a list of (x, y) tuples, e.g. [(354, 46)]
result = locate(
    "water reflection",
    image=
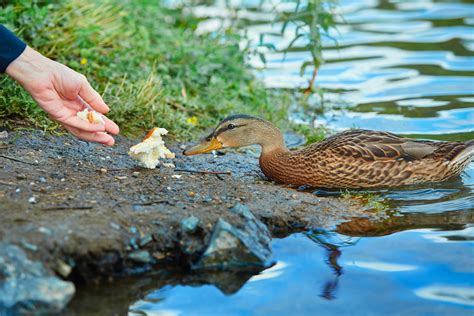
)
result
[(333, 243)]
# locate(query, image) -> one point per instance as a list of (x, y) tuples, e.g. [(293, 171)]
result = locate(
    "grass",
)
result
[(312, 134), (145, 60)]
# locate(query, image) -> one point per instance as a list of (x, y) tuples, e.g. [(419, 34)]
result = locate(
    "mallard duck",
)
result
[(352, 159)]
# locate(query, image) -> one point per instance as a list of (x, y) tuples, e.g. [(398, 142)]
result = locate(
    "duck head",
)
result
[(239, 131)]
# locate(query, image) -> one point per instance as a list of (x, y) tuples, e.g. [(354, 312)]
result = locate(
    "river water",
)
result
[(400, 66)]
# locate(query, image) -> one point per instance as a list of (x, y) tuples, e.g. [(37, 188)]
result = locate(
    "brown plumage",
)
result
[(352, 159)]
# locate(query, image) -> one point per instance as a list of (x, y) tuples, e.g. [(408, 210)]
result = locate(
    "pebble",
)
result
[(169, 165), (141, 256), (45, 230), (3, 134), (29, 246), (136, 174), (63, 268), (192, 194), (133, 243), (114, 226), (32, 200), (42, 179), (103, 170), (20, 176), (145, 240), (158, 255), (121, 177), (176, 176)]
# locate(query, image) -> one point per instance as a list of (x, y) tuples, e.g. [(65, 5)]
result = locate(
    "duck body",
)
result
[(364, 159), (352, 159)]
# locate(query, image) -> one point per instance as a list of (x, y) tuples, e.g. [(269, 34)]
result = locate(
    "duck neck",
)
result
[(272, 142), (273, 160)]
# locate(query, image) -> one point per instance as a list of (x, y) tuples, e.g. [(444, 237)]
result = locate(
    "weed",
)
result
[(312, 20), (312, 134)]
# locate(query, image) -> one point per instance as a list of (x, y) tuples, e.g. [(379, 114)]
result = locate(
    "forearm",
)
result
[(10, 48)]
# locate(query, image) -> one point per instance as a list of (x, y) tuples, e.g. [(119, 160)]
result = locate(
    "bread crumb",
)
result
[(90, 116), (151, 149)]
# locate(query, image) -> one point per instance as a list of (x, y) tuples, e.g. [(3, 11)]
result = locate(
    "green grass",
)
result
[(312, 134), (145, 60)]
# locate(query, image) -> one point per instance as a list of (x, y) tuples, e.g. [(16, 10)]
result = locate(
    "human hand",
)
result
[(62, 92)]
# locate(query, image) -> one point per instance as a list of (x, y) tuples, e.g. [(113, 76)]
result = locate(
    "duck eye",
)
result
[(231, 126)]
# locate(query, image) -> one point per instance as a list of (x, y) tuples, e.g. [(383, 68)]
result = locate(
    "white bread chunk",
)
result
[(151, 149), (90, 116)]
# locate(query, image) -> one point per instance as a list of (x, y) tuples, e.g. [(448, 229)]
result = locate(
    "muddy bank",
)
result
[(87, 212)]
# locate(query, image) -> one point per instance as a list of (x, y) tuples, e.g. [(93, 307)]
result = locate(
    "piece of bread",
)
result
[(90, 116), (151, 149)]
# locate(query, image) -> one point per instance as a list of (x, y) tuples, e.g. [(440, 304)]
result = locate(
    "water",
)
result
[(404, 67)]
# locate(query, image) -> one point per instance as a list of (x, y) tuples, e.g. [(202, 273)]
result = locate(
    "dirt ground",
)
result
[(85, 210)]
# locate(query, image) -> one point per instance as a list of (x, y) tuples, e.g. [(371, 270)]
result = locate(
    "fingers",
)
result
[(92, 97), (78, 105), (77, 123), (98, 137), (110, 126)]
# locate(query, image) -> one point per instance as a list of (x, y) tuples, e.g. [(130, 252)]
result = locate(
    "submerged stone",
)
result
[(237, 247), (26, 286), (190, 224)]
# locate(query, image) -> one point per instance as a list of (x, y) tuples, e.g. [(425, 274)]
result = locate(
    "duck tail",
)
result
[(466, 155)]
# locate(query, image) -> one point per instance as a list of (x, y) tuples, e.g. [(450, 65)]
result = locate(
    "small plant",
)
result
[(312, 20), (312, 134)]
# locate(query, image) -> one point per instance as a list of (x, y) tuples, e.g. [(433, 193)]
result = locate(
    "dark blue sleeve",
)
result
[(10, 48)]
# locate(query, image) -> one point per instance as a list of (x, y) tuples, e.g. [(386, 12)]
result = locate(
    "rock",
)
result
[(190, 224), (237, 247), (3, 134), (27, 287), (141, 256)]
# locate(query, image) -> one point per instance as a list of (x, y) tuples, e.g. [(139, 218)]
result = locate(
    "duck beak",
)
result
[(204, 147)]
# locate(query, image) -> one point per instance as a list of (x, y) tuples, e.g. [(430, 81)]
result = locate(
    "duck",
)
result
[(355, 158)]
